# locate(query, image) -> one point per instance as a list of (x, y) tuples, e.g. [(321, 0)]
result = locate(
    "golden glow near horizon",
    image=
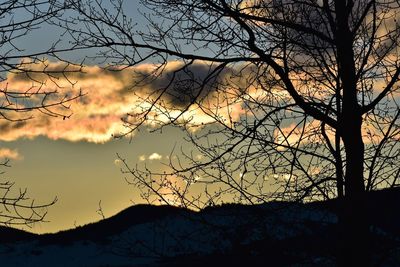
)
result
[(81, 174)]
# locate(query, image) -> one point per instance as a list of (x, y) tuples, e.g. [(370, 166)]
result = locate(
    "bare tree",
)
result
[(314, 86), (17, 208), (19, 20)]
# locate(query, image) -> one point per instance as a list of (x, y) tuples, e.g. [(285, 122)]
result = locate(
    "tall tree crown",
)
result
[(304, 77)]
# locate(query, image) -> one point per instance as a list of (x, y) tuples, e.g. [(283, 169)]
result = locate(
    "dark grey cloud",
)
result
[(180, 85), (7, 126)]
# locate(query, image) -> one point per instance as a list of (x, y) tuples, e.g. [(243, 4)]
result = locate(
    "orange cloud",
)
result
[(96, 116), (110, 96), (6, 153)]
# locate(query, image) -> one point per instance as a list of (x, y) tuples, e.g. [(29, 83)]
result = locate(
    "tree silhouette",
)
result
[(18, 20), (315, 84)]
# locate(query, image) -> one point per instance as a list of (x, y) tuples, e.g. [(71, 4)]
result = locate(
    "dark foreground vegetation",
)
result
[(272, 234)]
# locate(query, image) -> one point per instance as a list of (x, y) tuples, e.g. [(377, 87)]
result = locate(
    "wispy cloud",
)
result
[(155, 156), (6, 153)]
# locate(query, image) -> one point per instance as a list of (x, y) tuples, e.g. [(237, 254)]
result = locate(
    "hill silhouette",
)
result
[(283, 233), (101, 230)]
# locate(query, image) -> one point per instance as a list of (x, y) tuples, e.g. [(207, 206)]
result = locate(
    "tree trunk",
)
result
[(353, 224)]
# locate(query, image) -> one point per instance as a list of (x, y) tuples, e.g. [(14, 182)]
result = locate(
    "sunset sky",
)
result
[(262, 132)]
